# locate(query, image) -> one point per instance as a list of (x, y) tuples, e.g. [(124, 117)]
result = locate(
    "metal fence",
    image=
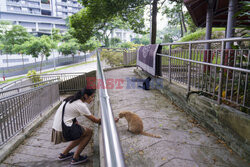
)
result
[(129, 56), (112, 148), (69, 82), (20, 105), (59, 61), (223, 74), (17, 111), (20, 89), (115, 57)]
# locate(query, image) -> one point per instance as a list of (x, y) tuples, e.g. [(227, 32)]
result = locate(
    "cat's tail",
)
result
[(150, 135)]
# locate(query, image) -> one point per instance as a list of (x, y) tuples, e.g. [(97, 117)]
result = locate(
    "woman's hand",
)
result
[(116, 119)]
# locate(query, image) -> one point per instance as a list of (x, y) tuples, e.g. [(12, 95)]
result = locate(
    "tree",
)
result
[(12, 35), (16, 35), (4, 26), (104, 33), (154, 22), (90, 45), (115, 41), (69, 48), (68, 35), (177, 16), (38, 46), (56, 35), (96, 14)]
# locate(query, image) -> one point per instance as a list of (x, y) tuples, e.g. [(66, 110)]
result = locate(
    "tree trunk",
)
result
[(154, 22), (183, 21), (22, 60), (181, 25), (7, 60), (106, 41), (41, 64)]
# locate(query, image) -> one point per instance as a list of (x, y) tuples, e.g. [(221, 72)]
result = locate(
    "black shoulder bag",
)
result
[(72, 132)]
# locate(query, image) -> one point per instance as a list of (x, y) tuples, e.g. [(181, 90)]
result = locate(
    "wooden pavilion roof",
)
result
[(198, 10)]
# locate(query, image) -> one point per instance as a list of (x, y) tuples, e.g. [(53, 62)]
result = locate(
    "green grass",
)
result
[(199, 34), (58, 69)]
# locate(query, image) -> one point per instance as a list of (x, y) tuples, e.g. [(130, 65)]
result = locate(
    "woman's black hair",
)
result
[(79, 95)]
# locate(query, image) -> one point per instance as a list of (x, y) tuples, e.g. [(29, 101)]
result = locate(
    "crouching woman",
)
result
[(74, 106)]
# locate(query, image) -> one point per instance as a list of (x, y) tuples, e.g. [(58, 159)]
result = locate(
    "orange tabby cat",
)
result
[(135, 124)]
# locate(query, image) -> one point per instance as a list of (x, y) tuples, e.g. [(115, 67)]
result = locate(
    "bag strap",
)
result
[(63, 112)]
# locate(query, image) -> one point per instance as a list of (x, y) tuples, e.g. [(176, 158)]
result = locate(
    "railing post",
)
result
[(125, 57), (221, 73), (189, 66), (169, 65)]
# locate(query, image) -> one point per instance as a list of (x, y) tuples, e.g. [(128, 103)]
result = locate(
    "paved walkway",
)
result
[(183, 142), (37, 150)]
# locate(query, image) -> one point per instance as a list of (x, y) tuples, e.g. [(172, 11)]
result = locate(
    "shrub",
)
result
[(33, 76)]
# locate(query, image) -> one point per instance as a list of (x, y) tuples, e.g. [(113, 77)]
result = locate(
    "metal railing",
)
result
[(118, 56), (20, 89), (112, 148), (69, 82), (129, 56), (13, 83), (17, 111), (221, 73)]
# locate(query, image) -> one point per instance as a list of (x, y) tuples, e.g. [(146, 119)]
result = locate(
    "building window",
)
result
[(45, 1)]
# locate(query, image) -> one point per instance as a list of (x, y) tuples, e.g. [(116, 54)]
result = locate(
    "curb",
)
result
[(17, 140)]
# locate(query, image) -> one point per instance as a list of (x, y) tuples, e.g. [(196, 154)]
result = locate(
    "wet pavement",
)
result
[(183, 143)]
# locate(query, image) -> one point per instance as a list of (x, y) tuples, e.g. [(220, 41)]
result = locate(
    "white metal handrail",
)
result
[(112, 148)]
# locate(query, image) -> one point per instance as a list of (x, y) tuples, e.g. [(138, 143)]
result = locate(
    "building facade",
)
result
[(124, 35), (38, 16)]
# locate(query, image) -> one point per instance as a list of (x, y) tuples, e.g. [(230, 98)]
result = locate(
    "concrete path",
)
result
[(183, 143), (38, 151)]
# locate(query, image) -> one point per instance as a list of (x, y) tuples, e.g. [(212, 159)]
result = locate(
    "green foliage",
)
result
[(38, 46), (191, 26), (244, 13), (67, 36), (56, 35), (69, 48), (1, 46), (126, 45), (33, 76), (178, 16), (4, 26), (19, 49), (115, 41), (167, 38), (113, 58), (90, 45), (200, 34), (194, 36), (143, 40), (17, 35), (99, 13)]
